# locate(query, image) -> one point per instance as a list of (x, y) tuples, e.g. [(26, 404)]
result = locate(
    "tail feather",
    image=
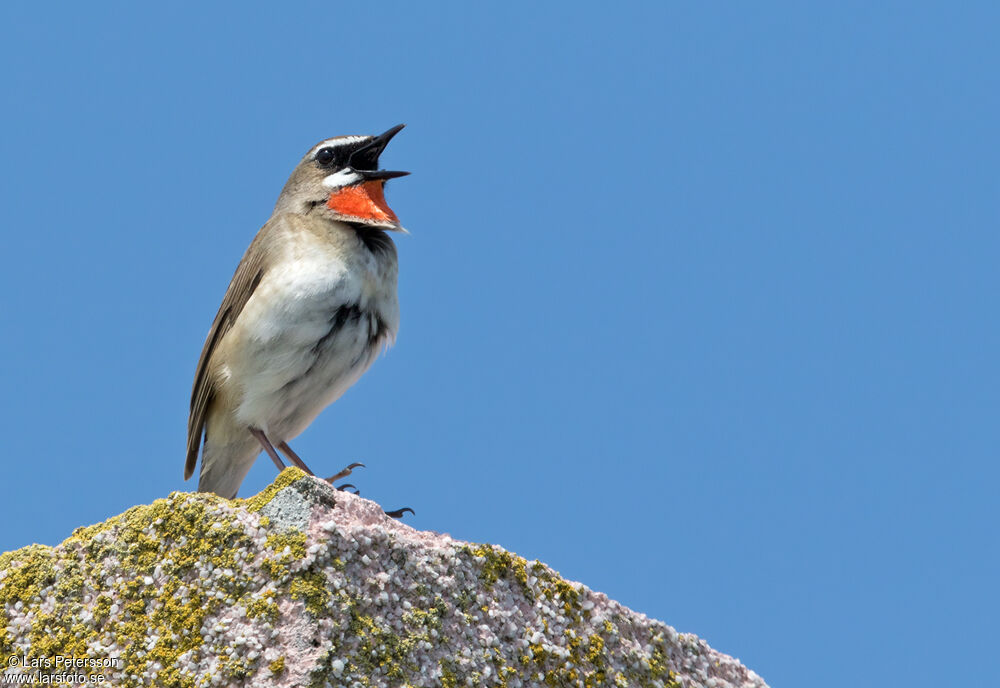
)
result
[(224, 466)]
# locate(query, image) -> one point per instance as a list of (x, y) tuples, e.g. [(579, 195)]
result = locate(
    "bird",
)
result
[(310, 307)]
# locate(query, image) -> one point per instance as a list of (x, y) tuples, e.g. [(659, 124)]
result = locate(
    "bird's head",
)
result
[(340, 178)]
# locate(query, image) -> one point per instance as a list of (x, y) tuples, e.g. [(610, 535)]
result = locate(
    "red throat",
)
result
[(365, 201)]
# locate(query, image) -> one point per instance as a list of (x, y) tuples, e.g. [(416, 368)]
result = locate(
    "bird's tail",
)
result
[(225, 465)]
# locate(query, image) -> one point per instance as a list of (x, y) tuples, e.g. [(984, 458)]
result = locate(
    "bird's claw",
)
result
[(398, 513), (345, 472), (348, 487)]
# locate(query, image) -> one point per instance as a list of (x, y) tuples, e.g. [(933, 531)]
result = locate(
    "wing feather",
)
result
[(248, 275)]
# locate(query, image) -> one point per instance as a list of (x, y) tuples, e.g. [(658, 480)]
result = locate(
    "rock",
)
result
[(305, 586)]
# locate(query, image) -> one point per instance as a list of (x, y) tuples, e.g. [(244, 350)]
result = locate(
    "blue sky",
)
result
[(699, 305)]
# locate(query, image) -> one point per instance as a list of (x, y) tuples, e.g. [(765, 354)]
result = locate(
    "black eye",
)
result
[(325, 156)]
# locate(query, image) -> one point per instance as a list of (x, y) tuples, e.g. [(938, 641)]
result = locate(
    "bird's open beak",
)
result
[(364, 201), (365, 159)]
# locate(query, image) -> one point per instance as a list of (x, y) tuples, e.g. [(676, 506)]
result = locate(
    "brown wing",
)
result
[(241, 287)]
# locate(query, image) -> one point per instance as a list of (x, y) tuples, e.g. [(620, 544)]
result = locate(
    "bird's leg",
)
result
[(294, 458), (266, 444)]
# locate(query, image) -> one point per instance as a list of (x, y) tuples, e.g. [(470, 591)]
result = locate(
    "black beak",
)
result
[(380, 174), (365, 159)]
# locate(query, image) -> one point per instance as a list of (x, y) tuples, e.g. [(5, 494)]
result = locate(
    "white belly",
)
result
[(305, 336)]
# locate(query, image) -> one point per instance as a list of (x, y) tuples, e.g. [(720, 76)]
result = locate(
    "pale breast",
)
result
[(313, 326)]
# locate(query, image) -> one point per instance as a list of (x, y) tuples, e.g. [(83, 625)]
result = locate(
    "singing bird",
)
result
[(312, 303)]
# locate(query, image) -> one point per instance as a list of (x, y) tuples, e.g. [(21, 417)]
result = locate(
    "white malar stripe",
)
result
[(338, 141), (344, 177)]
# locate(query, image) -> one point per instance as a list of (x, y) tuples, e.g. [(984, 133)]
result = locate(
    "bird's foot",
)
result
[(348, 487), (344, 472), (398, 513)]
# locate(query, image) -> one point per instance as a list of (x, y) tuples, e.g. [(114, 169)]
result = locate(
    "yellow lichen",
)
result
[(262, 607), (448, 677), (595, 648), (178, 540), (284, 479), (311, 588), (499, 563), (177, 563), (289, 548)]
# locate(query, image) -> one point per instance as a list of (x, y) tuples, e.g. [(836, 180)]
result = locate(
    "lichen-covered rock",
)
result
[(305, 586)]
